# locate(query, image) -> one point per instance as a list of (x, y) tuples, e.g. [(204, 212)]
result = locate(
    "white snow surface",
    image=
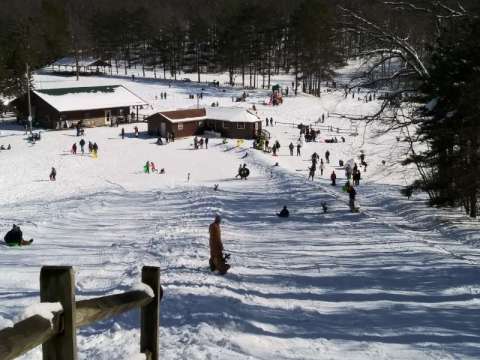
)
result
[(143, 287), (45, 310), (86, 98), (232, 114), (396, 281)]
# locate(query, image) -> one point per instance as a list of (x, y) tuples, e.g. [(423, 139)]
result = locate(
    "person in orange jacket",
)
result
[(217, 260)]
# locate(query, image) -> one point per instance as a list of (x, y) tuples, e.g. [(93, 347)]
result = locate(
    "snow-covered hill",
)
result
[(396, 281)]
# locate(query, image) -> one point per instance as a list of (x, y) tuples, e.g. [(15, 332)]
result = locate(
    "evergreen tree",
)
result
[(450, 122)]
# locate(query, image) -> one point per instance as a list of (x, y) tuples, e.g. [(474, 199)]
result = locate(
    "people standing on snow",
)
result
[(291, 147), (284, 213), (321, 167), (311, 174), (195, 143), (299, 147), (217, 259), (333, 177), (74, 149), (266, 121), (356, 177), (90, 147), (122, 133), (206, 143), (82, 146), (95, 149), (153, 168), (146, 167), (271, 121), (352, 193), (53, 174), (135, 129), (327, 157), (15, 237)]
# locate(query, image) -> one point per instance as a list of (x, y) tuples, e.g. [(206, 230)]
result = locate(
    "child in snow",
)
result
[(15, 237)]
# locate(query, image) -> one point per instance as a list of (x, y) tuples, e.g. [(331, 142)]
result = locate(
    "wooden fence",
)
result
[(58, 337)]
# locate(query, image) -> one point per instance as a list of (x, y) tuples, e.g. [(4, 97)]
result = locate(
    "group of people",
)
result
[(243, 172), (291, 147), (269, 121), (150, 167), (198, 143), (92, 148)]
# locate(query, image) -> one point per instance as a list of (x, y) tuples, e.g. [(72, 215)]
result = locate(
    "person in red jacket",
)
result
[(217, 260)]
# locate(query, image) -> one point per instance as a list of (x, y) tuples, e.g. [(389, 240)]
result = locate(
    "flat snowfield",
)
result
[(395, 281)]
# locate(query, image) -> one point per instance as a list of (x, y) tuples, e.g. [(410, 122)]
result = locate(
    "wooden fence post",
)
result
[(57, 284), (150, 314)]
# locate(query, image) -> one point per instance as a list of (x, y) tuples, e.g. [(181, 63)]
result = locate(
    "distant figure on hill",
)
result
[(291, 147), (217, 259), (284, 213), (15, 237), (333, 177), (53, 174)]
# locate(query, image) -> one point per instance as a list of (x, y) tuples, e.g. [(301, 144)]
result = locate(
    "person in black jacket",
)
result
[(15, 237), (284, 213)]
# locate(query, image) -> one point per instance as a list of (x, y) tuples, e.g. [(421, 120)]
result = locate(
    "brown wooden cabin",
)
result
[(92, 106), (237, 123)]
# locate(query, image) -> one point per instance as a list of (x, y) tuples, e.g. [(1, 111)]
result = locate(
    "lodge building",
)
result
[(230, 122), (92, 106)]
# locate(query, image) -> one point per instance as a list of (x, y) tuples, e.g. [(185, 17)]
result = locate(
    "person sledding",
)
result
[(217, 258), (284, 213), (15, 237)]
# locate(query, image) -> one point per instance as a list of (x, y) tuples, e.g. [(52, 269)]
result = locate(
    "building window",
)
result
[(180, 126), (225, 125), (240, 125)]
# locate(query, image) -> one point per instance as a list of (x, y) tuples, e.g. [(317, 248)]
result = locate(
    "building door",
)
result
[(108, 117), (163, 129)]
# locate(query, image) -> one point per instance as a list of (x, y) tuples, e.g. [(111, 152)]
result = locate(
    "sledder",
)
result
[(15, 237), (217, 258), (284, 213)]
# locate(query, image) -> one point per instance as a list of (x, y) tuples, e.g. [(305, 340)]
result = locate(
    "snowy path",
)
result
[(338, 286)]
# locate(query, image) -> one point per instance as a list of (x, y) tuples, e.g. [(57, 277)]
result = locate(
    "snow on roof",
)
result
[(232, 114), (185, 115), (86, 61), (90, 98)]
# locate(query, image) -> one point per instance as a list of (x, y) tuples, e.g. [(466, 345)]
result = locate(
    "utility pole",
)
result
[(28, 98)]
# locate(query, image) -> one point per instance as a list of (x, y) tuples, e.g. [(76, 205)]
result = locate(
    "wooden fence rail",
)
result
[(58, 336)]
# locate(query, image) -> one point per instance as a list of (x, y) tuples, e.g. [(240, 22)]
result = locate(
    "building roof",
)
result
[(83, 62), (90, 98), (232, 114), (186, 115)]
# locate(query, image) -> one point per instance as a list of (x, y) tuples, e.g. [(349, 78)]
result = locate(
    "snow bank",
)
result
[(45, 310), (143, 287)]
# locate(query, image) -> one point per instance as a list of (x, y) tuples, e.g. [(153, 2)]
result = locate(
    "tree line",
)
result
[(421, 51)]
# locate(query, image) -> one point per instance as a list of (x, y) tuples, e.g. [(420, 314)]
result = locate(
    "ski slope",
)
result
[(396, 281)]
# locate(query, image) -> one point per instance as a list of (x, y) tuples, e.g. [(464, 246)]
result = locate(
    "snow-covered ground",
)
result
[(396, 281)]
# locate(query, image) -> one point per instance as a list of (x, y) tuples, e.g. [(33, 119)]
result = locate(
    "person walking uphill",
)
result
[(217, 260)]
